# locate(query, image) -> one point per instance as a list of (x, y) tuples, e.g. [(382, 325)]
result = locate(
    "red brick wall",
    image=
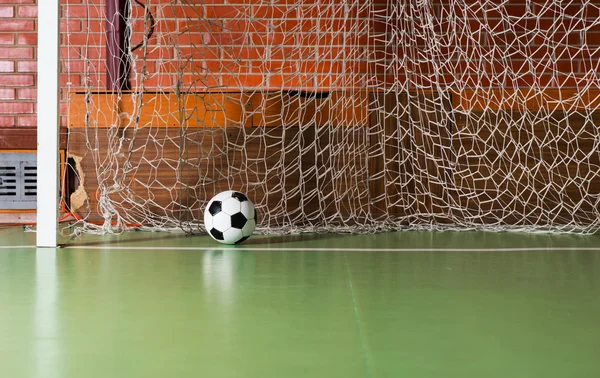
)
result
[(18, 64), (532, 43), (562, 53), (220, 42)]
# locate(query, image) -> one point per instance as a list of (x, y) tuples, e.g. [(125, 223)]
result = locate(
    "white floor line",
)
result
[(309, 249)]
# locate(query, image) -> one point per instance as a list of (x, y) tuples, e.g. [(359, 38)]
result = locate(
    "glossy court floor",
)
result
[(405, 304)]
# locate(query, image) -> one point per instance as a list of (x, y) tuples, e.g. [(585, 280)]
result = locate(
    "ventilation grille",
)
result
[(18, 180)]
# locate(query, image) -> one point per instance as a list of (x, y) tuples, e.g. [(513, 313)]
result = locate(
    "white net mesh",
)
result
[(346, 116)]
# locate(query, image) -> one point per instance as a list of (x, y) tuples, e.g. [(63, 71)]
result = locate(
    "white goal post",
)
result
[(48, 124)]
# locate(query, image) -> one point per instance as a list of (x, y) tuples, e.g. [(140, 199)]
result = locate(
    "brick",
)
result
[(276, 66), (7, 66), (70, 26), (242, 81), (324, 66), (16, 53), (224, 11), (27, 39), (26, 93), (94, 66), (84, 39), (93, 26), (7, 94), (256, 26), (160, 26), (200, 53), (27, 121), (274, 11), (16, 108), (92, 53), (178, 12), (157, 81), (592, 39), (337, 81), (287, 26), (71, 80), (83, 11), (192, 82), (16, 80), (274, 39), (17, 25), (153, 53), (7, 39), (70, 52), (7, 121), (27, 11), (226, 39), (27, 66), (245, 53), (310, 11), (7, 12)]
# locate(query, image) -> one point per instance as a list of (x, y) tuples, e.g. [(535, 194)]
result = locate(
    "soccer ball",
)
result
[(229, 217)]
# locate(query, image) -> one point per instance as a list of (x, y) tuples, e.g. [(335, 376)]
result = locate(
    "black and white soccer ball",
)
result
[(229, 217)]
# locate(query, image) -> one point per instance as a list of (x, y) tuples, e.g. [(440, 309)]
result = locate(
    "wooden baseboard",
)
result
[(17, 217), (24, 138)]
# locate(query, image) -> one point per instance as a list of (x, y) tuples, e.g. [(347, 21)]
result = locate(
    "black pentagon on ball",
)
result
[(238, 220), (216, 234), (242, 239), (215, 208), (239, 196)]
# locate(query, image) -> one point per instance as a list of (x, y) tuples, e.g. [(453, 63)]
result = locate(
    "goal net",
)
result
[(334, 115)]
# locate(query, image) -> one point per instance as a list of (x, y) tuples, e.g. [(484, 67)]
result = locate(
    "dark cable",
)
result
[(305, 94), (149, 16)]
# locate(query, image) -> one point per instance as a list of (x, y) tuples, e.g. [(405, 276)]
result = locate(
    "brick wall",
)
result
[(532, 43), (18, 64), (337, 45), (231, 43)]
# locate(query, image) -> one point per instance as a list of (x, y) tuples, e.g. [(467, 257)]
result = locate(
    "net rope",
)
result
[(339, 116)]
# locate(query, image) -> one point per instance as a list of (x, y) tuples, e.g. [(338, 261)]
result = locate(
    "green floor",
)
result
[(159, 305)]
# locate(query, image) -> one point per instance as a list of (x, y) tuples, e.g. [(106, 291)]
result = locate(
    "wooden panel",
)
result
[(336, 109), (407, 161), (523, 99), (529, 173), (21, 138), (277, 159), (432, 131), (18, 217), (268, 168), (391, 157), (267, 163)]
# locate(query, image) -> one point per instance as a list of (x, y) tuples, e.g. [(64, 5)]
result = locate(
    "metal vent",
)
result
[(18, 180)]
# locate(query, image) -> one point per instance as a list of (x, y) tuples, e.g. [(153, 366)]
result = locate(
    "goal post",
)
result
[(48, 124)]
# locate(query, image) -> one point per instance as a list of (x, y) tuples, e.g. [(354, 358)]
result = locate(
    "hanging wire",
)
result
[(150, 17)]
